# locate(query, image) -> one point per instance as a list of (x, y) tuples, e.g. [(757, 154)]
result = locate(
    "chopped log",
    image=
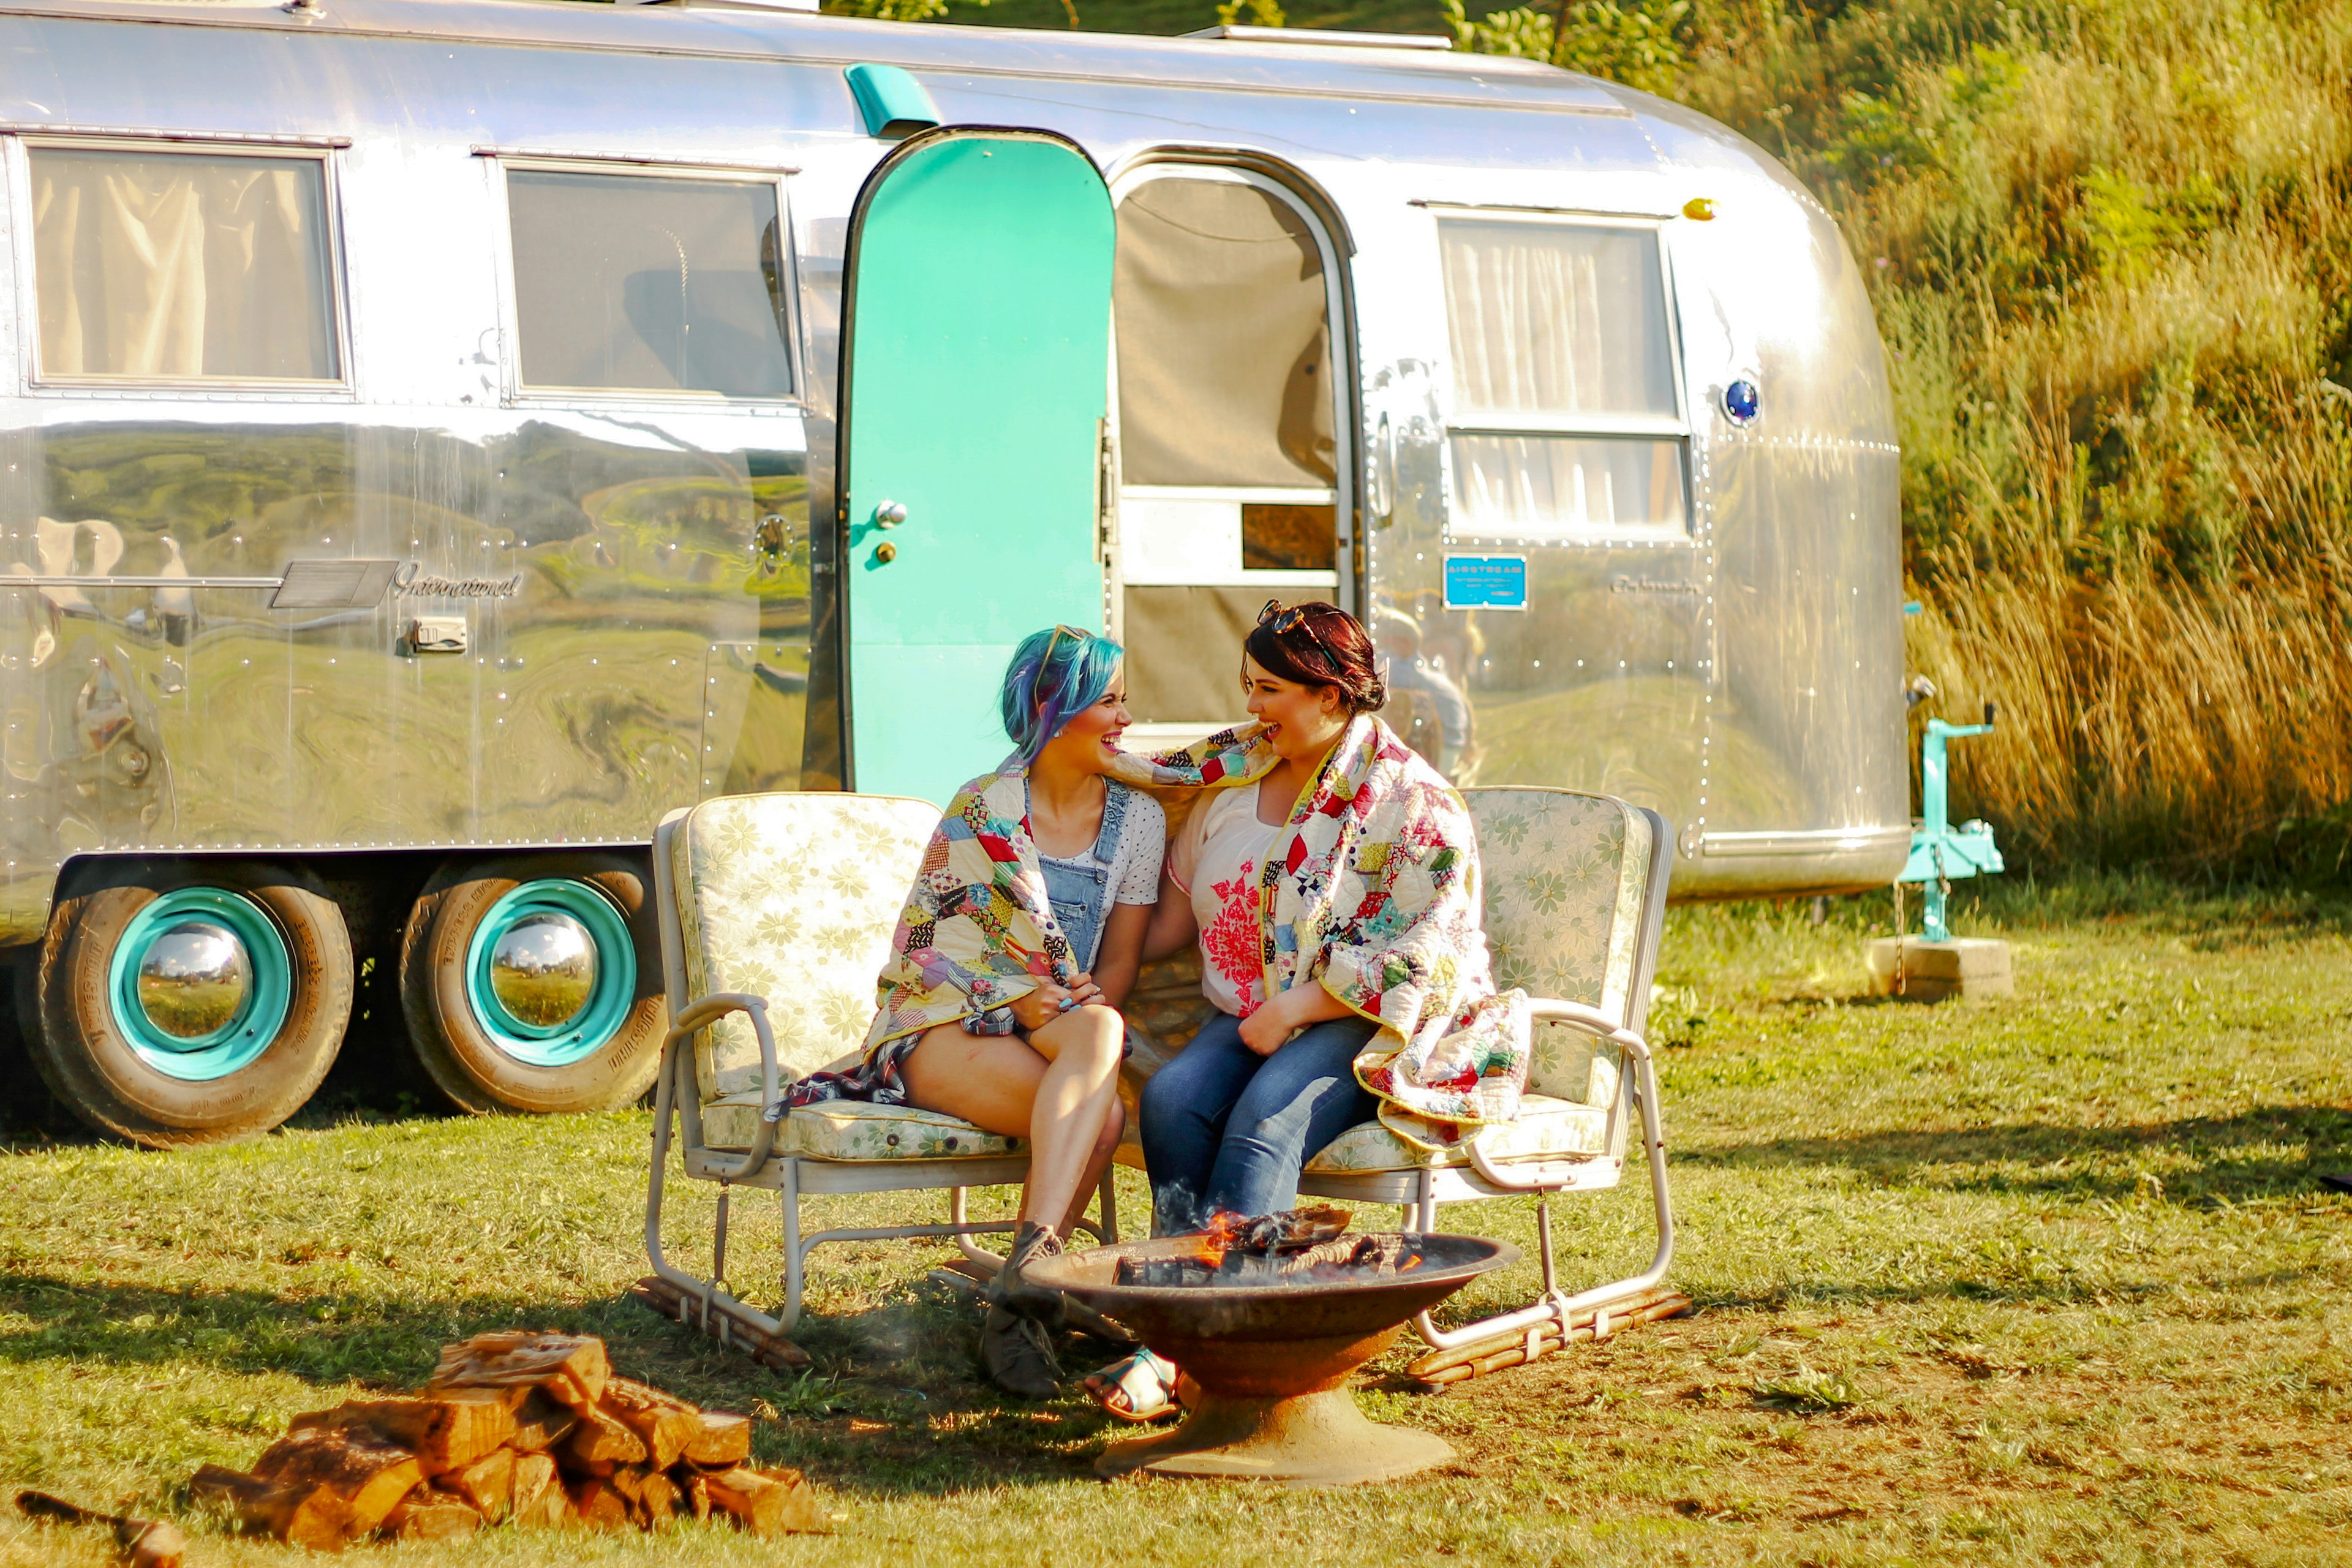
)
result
[(599, 1504), (541, 1419), (329, 1487), (232, 1491), (446, 1431), (488, 1484), (540, 1500), (664, 1423), (428, 1515), (766, 1502), (598, 1445), (723, 1443), (660, 1503), (572, 1367), (762, 1345), (653, 1496), (697, 1495), (260, 1506), (145, 1543)]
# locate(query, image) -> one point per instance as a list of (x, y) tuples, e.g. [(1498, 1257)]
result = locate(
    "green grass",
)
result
[(2038, 1281)]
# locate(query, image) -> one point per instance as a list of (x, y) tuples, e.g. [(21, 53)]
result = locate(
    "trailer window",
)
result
[(1224, 350), (649, 283), (182, 267), (1566, 424)]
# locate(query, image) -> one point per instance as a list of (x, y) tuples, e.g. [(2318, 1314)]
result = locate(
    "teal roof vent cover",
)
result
[(892, 102)]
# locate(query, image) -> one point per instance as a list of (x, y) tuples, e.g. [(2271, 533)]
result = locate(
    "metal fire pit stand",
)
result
[(1273, 1361)]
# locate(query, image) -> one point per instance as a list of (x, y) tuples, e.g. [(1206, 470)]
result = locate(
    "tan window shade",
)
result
[(1184, 652), (1555, 319), (641, 283), (182, 267), (1563, 488), (1224, 349)]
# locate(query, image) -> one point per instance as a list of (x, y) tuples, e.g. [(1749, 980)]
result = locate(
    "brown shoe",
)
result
[(1014, 1294), (1018, 1354)]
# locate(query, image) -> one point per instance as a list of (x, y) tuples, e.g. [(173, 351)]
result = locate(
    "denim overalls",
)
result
[(1078, 887)]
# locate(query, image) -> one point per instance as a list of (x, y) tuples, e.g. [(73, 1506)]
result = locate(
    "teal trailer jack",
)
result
[(1940, 853), (1935, 965)]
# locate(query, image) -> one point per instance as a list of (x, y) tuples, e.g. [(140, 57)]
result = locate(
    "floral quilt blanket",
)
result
[(1373, 891)]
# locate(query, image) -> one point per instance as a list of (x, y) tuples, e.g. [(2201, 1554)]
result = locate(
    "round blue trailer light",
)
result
[(1742, 403)]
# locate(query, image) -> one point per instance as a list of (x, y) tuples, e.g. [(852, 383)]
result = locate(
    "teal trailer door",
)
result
[(974, 365)]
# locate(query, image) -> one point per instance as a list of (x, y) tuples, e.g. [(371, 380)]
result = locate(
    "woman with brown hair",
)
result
[(1329, 875)]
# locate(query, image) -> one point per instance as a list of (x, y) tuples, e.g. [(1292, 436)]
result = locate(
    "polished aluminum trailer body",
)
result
[(604, 605)]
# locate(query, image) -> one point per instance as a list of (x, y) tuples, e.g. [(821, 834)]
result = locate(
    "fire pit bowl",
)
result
[(1272, 1358)]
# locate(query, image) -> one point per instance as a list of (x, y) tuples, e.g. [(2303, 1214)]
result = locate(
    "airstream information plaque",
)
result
[(1486, 582)]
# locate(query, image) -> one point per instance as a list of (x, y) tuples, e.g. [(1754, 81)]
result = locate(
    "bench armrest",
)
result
[(1575, 1015), (700, 1015)]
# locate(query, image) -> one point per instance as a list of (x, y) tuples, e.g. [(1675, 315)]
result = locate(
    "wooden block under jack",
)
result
[(1919, 969)]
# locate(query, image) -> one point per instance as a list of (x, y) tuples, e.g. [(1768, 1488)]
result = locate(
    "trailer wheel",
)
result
[(533, 983), (193, 1003)]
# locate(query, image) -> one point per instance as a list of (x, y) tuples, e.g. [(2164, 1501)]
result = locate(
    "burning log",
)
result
[(1293, 1230), (528, 1430), (1302, 1247)]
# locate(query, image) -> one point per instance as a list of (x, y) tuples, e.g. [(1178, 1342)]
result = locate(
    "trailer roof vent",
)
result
[(1326, 36)]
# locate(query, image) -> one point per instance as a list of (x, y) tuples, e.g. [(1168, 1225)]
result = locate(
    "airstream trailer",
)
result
[(442, 435)]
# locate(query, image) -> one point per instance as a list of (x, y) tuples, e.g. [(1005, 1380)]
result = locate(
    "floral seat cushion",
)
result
[(853, 1130), (1546, 1127)]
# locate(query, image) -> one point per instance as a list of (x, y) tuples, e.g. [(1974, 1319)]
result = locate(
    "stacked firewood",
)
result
[(526, 1429)]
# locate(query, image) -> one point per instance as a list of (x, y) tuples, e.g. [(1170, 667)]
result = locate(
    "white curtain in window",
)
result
[(181, 266), (1555, 319), (1552, 488)]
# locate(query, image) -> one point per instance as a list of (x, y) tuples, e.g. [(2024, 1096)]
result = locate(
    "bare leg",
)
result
[(1057, 1090), (1097, 1164), (1076, 1099)]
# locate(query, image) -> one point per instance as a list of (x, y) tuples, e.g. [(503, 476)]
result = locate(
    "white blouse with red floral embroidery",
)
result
[(1216, 860)]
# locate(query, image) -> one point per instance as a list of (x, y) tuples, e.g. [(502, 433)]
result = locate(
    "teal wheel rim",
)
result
[(258, 1014), (562, 906)]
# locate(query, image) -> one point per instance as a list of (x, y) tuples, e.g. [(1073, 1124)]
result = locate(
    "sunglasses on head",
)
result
[(1060, 631), (1281, 622)]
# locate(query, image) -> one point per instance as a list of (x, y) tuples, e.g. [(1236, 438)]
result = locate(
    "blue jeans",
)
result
[(1224, 1127)]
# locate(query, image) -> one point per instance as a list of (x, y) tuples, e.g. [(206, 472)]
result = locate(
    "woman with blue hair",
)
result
[(1020, 939)]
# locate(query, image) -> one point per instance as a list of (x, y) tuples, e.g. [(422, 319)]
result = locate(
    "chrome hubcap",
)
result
[(543, 969), (193, 979)]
